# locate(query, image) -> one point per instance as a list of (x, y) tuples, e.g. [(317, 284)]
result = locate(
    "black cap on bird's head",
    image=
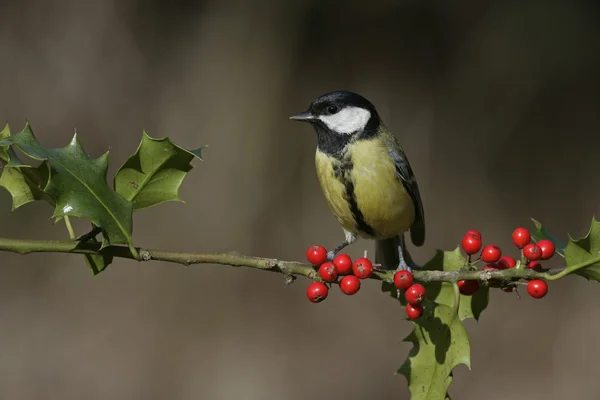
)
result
[(340, 112)]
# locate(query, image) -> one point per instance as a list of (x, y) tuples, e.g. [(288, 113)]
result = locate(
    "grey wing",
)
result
[(407, 177)]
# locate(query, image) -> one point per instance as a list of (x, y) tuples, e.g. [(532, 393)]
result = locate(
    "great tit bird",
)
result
[(365, 176)]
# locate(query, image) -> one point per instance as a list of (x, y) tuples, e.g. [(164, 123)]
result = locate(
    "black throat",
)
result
[(334, 144)]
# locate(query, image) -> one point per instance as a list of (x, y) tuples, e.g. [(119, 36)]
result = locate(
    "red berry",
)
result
[(362, 268), (415, 294), (506, 262), (521, 237), (471, 243), (534, 265), (349, 284), (414, 311), (468, 288), (477, 234), (403, 279), (316, 255), (532, 252), (328, 271), (491, 253), (537, 288), (547, 248), (317, 292), (343, 262)]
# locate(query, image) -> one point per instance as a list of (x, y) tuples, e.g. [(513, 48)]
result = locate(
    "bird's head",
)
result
[(343, 114)]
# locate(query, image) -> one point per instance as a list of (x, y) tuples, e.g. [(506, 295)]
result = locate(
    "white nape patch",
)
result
[(348, 120)]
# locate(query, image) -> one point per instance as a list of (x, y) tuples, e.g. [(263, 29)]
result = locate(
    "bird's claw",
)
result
[(330, 255), (403, 266)]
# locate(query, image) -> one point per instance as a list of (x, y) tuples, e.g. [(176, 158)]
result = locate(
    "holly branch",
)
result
[(438, 297), (288, 268)]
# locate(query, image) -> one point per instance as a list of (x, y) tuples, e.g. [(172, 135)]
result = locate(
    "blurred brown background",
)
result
[(497, 105)]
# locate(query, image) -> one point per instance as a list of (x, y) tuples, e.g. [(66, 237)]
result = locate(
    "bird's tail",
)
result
[(386, 252)]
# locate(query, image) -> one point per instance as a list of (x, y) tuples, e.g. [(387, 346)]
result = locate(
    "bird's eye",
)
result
[(332, 109)]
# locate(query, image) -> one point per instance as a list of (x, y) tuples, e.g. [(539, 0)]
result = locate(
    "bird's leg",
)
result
[(350, 238), (403, 264), (332, 253)]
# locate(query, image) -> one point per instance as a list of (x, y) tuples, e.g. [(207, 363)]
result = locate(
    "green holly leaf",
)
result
[(25, 184), (7, 153), (440, 344), (541, 233), (585, 250), (78, 186), (443, 292), (440, 339), (154, 173), (4, 133)]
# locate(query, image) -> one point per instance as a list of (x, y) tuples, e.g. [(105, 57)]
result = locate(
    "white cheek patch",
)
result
[(348, 120)]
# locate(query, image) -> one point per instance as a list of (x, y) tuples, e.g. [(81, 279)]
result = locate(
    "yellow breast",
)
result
[(331, 178), (363, 191)]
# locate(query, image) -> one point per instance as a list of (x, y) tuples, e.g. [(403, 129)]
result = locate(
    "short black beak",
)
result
[(305, 116)]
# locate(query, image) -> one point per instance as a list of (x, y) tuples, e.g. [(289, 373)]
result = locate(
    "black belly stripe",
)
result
[(361, 224), (343, 173)]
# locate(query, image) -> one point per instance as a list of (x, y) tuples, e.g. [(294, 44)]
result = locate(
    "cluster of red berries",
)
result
[(414, 293), (347, 274), (351, 273), (491, 254), (329, 271)]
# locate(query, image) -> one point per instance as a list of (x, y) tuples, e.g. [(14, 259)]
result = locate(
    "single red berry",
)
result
[(349, 285), (491, 253), (317, 292), (328, 271), (468, 288), (547, 248), (362, 268), (521, 237), (415, 294), (471, 243), (414, 311), (343, 262), (475, 233), (403, 279), (532, 252), (537, 288), (506, 262), (316, 255), (534, 265)]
